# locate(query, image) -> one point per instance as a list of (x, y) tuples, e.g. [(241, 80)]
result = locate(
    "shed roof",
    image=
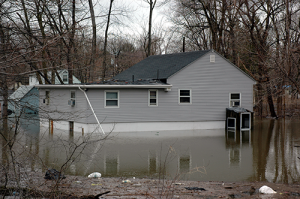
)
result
[(160, 66), (238, 109), (20, 92)]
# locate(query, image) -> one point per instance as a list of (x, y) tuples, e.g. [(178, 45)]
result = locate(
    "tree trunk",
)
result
[(104, 65), (259, 100), (149, 29), (94, 42), (270, 102), (3, 50), (71, 45)]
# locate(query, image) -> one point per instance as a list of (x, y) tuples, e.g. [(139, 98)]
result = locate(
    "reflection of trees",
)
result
[(285, 156), (262, 139), (274, 155)]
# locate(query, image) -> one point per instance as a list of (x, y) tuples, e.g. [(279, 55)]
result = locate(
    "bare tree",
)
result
[(152, 5), (104, 66), (94, 41)]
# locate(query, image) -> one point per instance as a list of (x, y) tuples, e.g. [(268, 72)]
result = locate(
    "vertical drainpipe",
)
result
[(92, 110)]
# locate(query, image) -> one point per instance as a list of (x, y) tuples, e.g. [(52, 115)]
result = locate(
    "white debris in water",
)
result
[(95, 175), (266, 190)]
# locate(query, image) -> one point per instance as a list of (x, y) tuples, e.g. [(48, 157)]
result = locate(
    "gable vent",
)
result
[(212, 58)]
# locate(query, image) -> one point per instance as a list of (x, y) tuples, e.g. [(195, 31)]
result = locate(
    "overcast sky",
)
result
[(139, 15)]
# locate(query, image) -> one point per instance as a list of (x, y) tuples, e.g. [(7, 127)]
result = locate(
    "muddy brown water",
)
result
[(270, 151)]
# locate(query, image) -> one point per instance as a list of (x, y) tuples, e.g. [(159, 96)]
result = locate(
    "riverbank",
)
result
[(83, 187)]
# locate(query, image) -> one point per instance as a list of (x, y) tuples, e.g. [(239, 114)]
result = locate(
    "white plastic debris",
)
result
[(137, 185), (126, 181), (95, 175), (266, 190)]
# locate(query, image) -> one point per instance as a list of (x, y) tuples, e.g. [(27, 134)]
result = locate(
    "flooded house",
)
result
[(179, 91), (62, 75), (25, 99)]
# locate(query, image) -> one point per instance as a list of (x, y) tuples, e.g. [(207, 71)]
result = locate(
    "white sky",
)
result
[(139, 15)]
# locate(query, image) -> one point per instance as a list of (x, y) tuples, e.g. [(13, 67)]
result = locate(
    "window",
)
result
[(212, 58), (47, 97), (72, 100), (65, 78), (185, 96), (234, 99), (152, 98), (111, 99)]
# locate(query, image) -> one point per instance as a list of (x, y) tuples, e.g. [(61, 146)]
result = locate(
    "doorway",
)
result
[(245, 121)]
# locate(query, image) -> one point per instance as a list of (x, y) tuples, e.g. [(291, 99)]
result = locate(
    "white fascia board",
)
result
[(72, 86)]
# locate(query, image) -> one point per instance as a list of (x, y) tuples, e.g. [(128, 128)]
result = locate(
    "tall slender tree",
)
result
[(104, 66)]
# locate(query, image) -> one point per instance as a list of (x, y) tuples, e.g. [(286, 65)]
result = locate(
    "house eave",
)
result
[(73, 86)]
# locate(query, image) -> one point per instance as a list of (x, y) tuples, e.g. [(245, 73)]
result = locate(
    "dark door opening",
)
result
[(245, 121), (231, 123)]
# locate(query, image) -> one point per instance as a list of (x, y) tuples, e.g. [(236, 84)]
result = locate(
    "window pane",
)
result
[(184, 92), (65, 78), (152, 94), (152, 101), (111, 102), (235, 96), (47, 94), (184, 100), (111, 95), (72, 94)]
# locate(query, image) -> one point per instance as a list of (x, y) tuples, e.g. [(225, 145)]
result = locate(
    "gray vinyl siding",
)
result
[(210, 84), (58, 108)]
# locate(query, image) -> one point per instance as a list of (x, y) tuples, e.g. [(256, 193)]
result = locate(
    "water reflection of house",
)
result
[(111, 164), (153, 162), (184, 164), (235, 141), (139, 155)]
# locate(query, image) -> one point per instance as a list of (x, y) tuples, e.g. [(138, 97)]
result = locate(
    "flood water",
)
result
[(269, 152)]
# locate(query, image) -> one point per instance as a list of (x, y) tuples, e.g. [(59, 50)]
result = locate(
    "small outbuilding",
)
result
[(238, 118)]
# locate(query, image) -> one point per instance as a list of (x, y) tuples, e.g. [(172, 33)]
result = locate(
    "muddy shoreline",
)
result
[(83, 187)]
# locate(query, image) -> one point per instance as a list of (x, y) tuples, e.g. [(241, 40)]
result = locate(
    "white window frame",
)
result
[(149, 97), (72, 98), (231, 128), (64, 74), (47, 98), (190, 96), (212, 58), (241, 122), (118, 99), (235, 100)]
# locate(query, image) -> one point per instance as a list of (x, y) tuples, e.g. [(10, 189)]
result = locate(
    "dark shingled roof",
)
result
[(160, 66)]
